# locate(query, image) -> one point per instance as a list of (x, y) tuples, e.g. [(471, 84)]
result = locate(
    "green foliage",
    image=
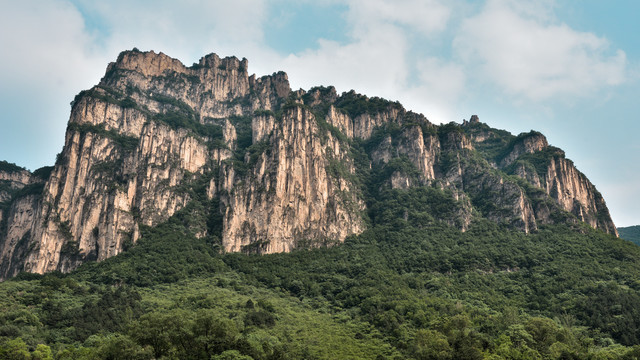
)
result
[(418, 206), (178, 120), (106, 167), (355, 104), (43, 173), (31, 189), (70, 249), (325, 94), (326, 127), (539, 160), (452, 127), (242, 124), (259, 318), (243, 101), (165, 258), (10, 167), (107, 94), (494, 140), (508, 148), (388, 130), (114, 310), (179, 115), (15, 349), (115, 346), (409, 287), (613, 309), (126, 142), (247, 153), (178, 79), (128, 103), (178, 105), (631, 233)]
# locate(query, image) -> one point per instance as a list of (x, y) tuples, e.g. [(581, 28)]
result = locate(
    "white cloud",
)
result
[(528, 55), (439, 88), (444, 80), (378, 59), (44, 42), (47, 57), (423, 16), (188, 31), (375, 63)]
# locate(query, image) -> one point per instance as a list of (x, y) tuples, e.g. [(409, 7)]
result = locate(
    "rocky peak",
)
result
[(320, 95), (525, 143), (213, 61), (276, 83), (453, 137), (147, 63), (474, 119), (266, 169)]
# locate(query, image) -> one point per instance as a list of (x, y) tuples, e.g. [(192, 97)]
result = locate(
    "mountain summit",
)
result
[(256, 167)]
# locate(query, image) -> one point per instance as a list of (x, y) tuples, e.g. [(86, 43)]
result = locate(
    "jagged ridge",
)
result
[(265, 169)]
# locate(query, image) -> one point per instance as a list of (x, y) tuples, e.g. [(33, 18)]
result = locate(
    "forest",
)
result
[(630, 233)]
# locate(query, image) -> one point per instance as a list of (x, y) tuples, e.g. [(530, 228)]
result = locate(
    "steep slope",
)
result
[(266, 169), (20, 194), (545, 167)]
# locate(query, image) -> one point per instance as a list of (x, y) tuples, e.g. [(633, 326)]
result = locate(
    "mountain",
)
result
[(265, 168), (630, 233), (234, 218)]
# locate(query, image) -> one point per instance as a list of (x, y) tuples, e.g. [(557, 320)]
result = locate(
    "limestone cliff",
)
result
[(266, 168), (289, 197), (19, 201), (545, 168)]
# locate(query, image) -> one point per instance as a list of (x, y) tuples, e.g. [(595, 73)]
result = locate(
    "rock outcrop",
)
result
[(291, 197), (270, 169)]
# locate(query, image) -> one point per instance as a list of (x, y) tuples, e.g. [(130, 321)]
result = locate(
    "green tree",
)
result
[(15, 349), (431, 345), (42, 352)]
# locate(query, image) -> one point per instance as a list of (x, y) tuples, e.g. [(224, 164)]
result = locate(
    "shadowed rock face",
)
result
[(278, 169)]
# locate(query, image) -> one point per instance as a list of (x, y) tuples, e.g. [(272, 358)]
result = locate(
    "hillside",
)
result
[(399, 290), (269, 169), (204, 213), (630, 233)]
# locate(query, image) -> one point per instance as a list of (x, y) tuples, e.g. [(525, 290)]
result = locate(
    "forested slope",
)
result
[(399, 290), (630, 233)]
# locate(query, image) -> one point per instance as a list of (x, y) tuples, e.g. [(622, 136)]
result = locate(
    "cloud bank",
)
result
[(528, 55)]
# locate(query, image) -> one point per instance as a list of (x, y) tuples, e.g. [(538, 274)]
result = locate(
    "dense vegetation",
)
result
[(409, 287), (10, 167), (127, 143), (630, 233), (355, 104)]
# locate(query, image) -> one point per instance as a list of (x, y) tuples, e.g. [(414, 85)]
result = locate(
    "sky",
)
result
[(567, 68)]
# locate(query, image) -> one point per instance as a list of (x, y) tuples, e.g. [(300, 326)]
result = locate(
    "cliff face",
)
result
[(267, 169), (545, 168), (289, 196)]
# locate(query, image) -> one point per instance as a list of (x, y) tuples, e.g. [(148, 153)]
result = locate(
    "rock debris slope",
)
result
[(262, 168)]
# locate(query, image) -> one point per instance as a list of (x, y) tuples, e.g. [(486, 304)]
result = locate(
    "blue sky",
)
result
[(567, 68)]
